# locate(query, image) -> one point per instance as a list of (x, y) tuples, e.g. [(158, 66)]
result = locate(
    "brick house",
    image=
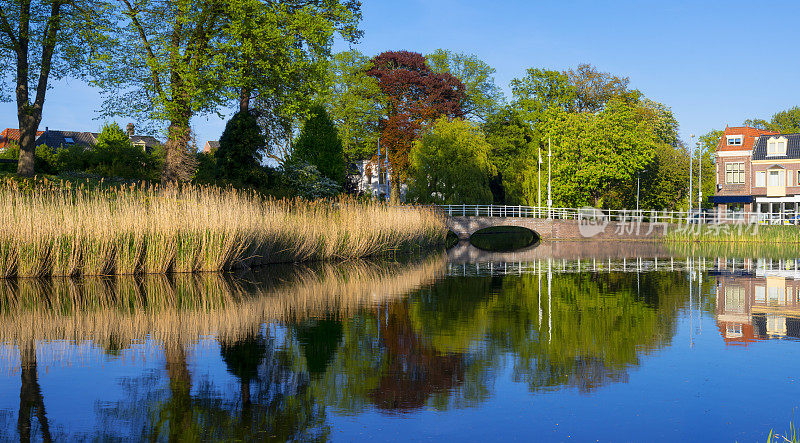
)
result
[(10, 136), (758, 303), (776, 175), (734, 169), (58, 139)]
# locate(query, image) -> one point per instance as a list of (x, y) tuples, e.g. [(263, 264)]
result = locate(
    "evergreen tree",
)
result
[(240, 148), (319, 145)]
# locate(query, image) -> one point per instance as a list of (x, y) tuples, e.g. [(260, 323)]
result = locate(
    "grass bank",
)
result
[(69, 231)]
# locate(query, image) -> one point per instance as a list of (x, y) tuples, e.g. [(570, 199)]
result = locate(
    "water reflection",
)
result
[(758, 300), (278, 355)]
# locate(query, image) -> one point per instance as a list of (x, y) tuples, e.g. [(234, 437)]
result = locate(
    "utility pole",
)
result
[(549, 180)]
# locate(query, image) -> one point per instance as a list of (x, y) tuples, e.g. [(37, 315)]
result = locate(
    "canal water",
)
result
[(555, 342)]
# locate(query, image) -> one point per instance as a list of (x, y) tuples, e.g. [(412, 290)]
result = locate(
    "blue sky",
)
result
[(713, 62)]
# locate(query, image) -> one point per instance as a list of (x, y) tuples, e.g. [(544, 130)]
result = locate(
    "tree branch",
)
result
[(6, 28), (132, 14), (48, 47)]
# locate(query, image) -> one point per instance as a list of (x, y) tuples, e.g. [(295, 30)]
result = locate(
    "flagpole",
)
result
[(549, 180), (539, 173)]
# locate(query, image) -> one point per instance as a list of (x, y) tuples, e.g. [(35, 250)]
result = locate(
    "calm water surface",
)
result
[(550, 343)]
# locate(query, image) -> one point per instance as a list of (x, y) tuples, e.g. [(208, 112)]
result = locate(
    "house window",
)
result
[(776, 147), (734, 173), (734, 299), (69, 140), (735, 140), (761, 179)]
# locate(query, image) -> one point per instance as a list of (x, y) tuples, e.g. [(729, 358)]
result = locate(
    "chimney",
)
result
[(129, 129)]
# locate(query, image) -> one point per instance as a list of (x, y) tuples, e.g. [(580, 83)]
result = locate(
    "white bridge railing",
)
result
[(618, 215)]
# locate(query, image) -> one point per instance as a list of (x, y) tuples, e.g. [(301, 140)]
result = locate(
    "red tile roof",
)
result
[(750, 135), (10, 135)]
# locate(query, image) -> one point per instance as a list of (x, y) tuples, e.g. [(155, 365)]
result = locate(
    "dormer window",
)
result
[(735, 140), (776, 146)]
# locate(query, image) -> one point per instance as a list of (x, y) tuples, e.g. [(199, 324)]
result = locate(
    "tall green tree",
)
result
[(318, 144), (355, 103), (595, 153), (450, 165), (483, 96), (42, 41), (183, 58)]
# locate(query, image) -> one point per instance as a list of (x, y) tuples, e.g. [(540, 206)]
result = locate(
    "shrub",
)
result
[(305, 180), (115, 156)]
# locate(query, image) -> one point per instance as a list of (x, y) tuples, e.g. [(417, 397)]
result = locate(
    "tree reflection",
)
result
[(31, 400), (414, 370)]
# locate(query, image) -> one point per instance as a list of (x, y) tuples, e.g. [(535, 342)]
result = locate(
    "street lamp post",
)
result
[(700, 180), (637, 190)]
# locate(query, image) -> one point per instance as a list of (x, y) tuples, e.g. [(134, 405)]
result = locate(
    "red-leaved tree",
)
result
[(415, 96)]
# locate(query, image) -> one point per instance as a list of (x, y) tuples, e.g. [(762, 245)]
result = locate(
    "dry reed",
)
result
[(58, 231)]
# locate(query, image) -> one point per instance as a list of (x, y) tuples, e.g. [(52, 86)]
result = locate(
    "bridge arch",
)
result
[(504, 238)]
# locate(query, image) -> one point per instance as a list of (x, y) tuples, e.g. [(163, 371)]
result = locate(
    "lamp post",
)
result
[(700, 180), (637, 189)]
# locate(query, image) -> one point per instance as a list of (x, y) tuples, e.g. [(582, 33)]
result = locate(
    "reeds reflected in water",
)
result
[(184, 307)]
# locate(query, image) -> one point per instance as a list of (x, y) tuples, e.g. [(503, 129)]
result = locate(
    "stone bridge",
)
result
[(558, 229)]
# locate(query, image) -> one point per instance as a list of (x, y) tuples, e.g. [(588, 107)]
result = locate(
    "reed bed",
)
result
[(62, 231), (118, 311), (745, 234)]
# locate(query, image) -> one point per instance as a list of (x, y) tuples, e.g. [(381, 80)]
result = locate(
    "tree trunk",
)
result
[(179, 164), (394, 198), (28, 125), (244, 100), (30, 396)]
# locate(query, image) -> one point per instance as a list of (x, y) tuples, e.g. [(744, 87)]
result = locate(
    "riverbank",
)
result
[(66, 231)]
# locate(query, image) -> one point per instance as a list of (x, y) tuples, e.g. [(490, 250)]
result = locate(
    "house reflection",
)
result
[(757, 299)]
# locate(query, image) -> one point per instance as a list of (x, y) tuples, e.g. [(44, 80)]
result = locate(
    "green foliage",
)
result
[(593, 154), (44, 158), (450, 165), (784, 122), (514, 155), (354, 101), (115, 156), (319, 145), (483, 96), (238, 158), (304, 180)]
